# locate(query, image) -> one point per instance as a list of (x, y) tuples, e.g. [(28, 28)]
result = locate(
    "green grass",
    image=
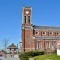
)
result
[(47, 57)]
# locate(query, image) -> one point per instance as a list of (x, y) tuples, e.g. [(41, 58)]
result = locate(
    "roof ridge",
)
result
[(12, 46)]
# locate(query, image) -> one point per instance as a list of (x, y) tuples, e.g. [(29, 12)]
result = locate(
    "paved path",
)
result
[(9, 58)]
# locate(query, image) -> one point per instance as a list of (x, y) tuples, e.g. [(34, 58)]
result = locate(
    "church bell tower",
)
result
[(27, 29), (26, 16)]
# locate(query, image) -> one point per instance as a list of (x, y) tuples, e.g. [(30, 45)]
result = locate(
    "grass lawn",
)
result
[(47, 57)]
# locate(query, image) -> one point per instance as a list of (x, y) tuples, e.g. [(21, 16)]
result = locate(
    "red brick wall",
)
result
[(28, 41), (29, 33)]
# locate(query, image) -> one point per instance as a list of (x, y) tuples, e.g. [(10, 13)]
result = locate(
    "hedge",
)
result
[(27, 55)]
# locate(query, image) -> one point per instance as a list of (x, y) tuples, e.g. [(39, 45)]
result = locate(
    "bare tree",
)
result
[(5, 43)]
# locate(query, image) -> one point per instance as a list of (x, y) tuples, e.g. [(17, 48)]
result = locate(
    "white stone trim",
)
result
[(51, 33), (28, 48), (44, 33), (37, 32)]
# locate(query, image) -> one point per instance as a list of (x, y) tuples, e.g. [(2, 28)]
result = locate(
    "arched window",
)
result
[(29, 19), (24, 19)]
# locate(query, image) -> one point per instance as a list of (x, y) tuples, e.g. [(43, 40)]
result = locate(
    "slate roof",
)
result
[(12, 46), (45, 27)]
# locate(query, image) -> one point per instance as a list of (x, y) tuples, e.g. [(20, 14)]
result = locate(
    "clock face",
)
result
[(27, 12)]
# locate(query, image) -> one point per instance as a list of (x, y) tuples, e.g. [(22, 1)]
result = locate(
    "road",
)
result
[(9, 58)]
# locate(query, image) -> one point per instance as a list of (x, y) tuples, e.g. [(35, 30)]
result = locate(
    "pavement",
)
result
[(9, 58)]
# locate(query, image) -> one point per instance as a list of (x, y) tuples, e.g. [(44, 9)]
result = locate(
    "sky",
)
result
[(44, 12)]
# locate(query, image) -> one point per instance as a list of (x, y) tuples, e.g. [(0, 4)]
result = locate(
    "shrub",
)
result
[(55, 51), (27, 55)]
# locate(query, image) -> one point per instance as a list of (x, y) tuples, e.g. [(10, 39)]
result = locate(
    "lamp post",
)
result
[(21, 47), (17, 49)]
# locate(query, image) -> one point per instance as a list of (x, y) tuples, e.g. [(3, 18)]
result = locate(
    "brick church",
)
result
[(37, 37)]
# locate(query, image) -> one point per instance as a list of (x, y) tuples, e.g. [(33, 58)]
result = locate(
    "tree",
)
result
[(5, 43)]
